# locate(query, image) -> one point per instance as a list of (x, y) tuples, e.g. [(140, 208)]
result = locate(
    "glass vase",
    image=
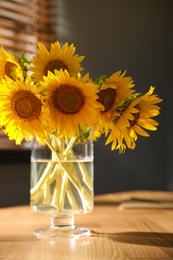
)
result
[(62, 183)]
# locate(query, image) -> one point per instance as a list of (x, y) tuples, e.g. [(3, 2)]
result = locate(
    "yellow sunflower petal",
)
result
[(55, 59)]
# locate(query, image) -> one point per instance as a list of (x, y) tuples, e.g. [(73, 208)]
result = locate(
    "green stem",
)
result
[(71, 198), (86, 178), (46, 193), (42, 180), (57, 190), (63, 192)]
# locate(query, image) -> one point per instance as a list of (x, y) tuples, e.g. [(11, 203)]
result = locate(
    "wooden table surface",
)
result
[(127, 225)]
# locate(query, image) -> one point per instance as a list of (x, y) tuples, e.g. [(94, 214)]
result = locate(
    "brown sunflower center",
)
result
[(54, 65), (107, 98), (26, 105), (136, 116), (68, 99), (10, 70)]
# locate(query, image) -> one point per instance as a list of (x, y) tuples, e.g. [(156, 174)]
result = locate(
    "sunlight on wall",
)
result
[(63, 25)]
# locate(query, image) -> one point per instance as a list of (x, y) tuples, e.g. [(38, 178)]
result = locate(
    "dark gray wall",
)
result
[(14, 174), (135, 35)]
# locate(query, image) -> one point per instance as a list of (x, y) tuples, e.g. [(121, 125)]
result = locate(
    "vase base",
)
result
[(51, 232)]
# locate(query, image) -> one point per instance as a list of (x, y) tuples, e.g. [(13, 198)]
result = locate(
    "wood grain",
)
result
[(116, 233)]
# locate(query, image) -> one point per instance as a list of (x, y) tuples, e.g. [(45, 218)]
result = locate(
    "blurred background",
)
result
[(113, 35)]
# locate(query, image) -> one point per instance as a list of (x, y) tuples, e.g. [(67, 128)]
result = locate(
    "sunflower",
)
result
[(10, 66), (119, 130), (21, 112), (72, 102), (134, 119), (112, 92), (55, 59)]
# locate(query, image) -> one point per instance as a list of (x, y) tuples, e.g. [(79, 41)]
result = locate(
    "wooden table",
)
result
[(127, 225)]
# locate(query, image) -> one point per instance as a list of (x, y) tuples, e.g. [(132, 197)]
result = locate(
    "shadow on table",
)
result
[(140, 238)]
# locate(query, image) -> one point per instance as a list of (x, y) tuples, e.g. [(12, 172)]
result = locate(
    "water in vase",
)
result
[(63, 187)]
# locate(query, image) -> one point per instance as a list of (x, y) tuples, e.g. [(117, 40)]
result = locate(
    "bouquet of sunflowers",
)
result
[(48, 94), (48, 99)]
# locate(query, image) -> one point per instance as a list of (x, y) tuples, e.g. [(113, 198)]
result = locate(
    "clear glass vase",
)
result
[(62, 183)]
